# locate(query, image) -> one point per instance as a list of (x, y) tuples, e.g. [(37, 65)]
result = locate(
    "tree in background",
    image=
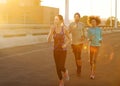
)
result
[(108, 21), (118, 23), (84, 19)]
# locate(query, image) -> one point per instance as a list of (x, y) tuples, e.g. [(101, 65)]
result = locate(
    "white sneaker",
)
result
[(92, 76), (61, 83), (66, 75)]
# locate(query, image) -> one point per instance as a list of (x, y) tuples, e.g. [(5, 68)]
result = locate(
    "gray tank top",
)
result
[(77, 31)]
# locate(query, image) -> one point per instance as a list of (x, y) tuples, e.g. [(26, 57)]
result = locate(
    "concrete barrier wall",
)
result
[(20, 35)]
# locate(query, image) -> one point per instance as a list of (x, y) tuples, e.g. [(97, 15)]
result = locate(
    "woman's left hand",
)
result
[(64, 46)]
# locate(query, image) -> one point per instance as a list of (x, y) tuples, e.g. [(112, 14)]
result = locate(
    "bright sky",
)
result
[(101, 8)]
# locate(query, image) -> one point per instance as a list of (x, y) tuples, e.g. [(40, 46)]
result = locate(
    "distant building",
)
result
[(24, 2), (26, 12)]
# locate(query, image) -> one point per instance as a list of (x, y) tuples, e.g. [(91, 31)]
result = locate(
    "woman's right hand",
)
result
[(64, 46)]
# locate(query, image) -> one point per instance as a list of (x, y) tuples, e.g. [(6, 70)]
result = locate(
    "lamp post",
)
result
[(66, 12), (115, 14), (111, 13)]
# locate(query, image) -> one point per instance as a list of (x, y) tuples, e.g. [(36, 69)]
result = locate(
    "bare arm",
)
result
[(68, 39), (84, 29), (84, 33), (69, 28)]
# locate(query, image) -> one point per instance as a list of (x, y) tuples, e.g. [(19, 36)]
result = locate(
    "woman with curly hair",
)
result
[(95, 38)]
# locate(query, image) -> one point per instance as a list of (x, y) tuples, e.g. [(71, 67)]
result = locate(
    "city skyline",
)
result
[(101, 8)]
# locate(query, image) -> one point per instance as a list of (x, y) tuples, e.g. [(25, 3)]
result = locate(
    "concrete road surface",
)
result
[(33, 65)]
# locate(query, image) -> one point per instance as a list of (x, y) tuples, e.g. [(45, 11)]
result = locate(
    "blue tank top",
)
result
[(59, 40)]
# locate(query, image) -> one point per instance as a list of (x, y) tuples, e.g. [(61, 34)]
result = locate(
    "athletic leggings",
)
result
[(60, 58), (93, 54)]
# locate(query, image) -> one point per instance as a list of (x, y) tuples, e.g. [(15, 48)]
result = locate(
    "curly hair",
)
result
[(90, 18)]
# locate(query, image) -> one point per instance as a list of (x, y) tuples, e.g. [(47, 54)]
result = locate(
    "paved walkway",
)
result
[(33, 65)]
